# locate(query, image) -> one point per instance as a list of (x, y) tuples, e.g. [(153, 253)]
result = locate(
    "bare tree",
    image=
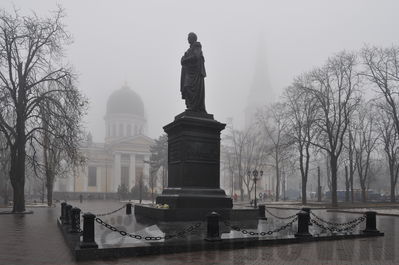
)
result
[(352, 161), (4, 168), (237, 140), (274, 125), (31, 72), (334, 88), (390, 142), (349, 160), (301, 116), (364, 145), (60, 137), (229, 164), (158, 162), (254, 157), (248, 152), (382, 70)]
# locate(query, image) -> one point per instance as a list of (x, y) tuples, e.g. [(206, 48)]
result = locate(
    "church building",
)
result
[(123, 158)]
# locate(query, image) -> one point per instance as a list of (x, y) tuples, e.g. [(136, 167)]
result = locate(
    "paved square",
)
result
[(35, 239)]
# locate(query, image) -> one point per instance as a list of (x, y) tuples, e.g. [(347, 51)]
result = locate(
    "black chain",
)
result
[(263, 233), (280, 217), (104, 214), (148, 238), (351, 225), (334, 224)]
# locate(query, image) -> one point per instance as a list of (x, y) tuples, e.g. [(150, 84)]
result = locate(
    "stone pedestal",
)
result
[(194, 163)]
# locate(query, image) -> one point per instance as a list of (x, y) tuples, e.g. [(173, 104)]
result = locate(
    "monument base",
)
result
[(195, 198), (192, 214)]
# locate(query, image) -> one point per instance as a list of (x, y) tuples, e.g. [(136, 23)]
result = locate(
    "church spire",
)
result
[(260, 92)]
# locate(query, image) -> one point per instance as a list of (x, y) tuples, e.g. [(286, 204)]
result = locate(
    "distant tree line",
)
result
[(344, 112)]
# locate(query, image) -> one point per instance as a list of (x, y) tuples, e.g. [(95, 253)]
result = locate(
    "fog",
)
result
[(252, 49)]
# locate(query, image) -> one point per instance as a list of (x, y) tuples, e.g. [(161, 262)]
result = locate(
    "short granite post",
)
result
[(371, 223), (262, 210), (306, 209), (75, 220), (303, 224), (128, 208), (62, 217), (88, 231), (68, 209), (213, 233)]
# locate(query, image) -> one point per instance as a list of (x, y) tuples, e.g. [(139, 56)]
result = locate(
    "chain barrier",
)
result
[(148, 238), (280, 217), (346, 226), (333, 223), (109, 213), (263, 233)]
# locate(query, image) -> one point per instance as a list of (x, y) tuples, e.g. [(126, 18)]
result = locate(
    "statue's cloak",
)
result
[(192, 84)]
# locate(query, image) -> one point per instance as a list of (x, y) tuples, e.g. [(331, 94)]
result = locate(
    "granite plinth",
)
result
[(193, 168)]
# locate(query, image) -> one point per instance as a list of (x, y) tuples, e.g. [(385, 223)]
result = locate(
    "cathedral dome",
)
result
[(125, 101)]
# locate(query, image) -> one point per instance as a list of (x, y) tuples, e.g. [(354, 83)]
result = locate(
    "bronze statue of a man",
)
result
[(192, 84)]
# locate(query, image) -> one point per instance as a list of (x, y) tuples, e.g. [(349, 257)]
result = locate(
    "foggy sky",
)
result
[(141, 42)]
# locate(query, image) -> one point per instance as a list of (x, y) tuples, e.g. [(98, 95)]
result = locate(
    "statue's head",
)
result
[(192, 37)]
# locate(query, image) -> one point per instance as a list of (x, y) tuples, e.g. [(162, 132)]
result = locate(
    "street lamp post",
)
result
[(255, 179)]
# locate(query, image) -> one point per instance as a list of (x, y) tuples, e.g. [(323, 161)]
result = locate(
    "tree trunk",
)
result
[(17, 172), (318, 185), (351, 167), (304, 182), (277, 178), (18, 163), (303, 176), (347, 184), (241, 189), (392, 176), (249, 192), (351, 184), (43, 192), (334, 169), (393, 198), (50, 187), (364, 199), (284, 184), (18, 183)]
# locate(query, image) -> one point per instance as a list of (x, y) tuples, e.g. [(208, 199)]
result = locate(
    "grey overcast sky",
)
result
[(141, 42)]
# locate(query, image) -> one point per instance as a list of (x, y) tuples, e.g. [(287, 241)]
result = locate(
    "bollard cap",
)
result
[(213, 214), (88, 215), (302, 212), (75, 209)]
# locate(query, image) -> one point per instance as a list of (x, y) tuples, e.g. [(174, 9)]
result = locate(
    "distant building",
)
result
[(261, 91), (123, 157)]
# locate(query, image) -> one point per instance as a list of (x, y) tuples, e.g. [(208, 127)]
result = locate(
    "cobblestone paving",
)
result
[(35, 239)]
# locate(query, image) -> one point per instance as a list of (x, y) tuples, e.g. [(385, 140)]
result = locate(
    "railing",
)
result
[(70, 216)]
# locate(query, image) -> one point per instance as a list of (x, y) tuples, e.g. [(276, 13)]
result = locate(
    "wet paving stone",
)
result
[(36, 239)]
